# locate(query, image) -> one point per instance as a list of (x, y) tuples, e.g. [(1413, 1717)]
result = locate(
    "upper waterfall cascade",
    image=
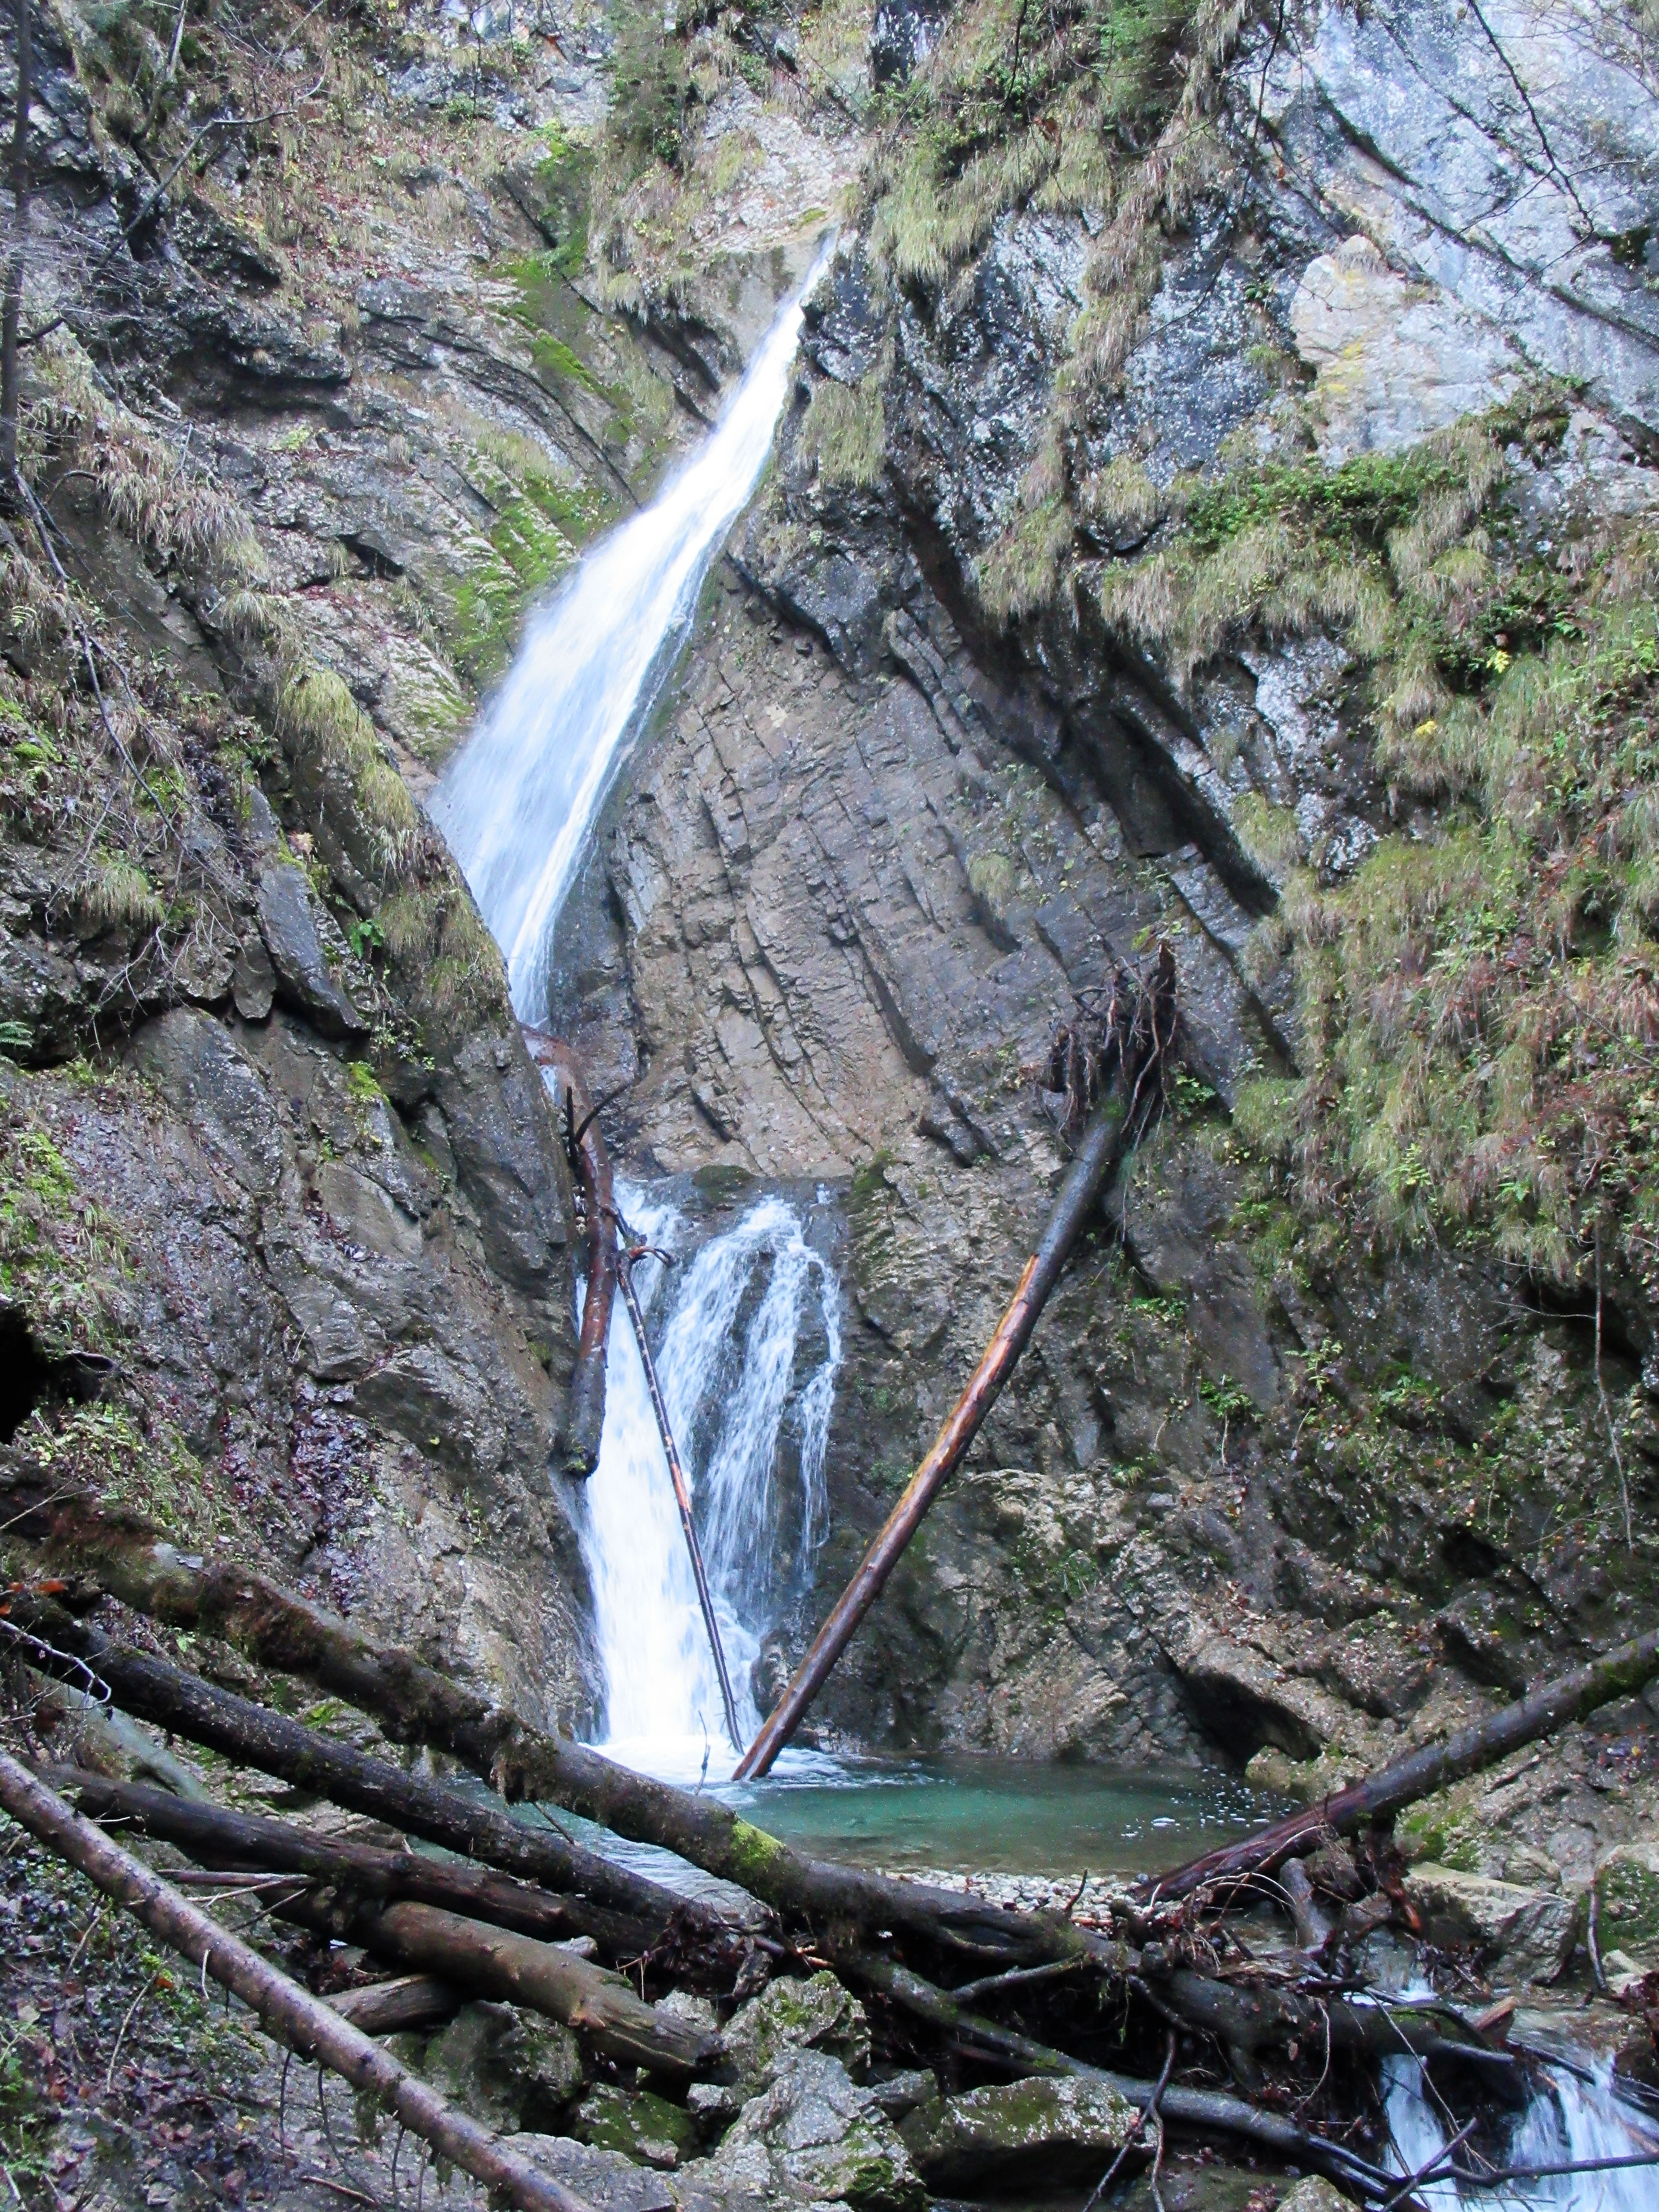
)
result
[(517, 801)]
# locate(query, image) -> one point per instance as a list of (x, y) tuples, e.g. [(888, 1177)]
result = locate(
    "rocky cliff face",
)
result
[(1216, 505), (317, 403), (1209, 491)]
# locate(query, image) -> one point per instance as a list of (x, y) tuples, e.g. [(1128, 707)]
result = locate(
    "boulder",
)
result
[(643, 2127), (815, 2136), (603, 2178), (1313, 2193), (1627, 1906), (788, 2015), (1038, 2132), (1526, 1935), (506, 2067), (305, 980)]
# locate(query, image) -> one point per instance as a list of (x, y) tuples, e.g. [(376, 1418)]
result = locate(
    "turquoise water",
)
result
[(1000, 1815)]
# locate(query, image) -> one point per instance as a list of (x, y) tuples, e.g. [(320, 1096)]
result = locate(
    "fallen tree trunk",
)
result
[(307, 2025), (154, 1690), (682, 1496), (386, 2007), (1208, 2110), (492, 1962), (414, 1704), (228, 1841), (1148, 1031), (584, 1420), (1618, 1673)]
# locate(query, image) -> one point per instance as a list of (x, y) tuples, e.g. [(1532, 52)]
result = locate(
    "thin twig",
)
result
[(1148, 2111)]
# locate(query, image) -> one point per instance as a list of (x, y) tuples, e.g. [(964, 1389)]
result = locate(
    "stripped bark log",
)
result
[(682, 1496), (492, 1962), (229, 1841), (1147, 1033), (1571, 1697), (584, 1421), (303, 2023), (386, 2008), (416, 1704)]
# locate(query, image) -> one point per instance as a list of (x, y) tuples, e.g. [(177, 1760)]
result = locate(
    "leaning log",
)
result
[(236, 1842), (584, 1419), (1571, 1697), (307, 2025), (414, 1704), (1148, 1031)]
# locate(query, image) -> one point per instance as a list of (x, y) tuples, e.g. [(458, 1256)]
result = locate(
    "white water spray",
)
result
[(517, 802), (727, 1355), (1573, 2121)]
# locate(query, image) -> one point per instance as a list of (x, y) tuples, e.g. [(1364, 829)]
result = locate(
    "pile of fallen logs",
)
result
[(1171, 1999)]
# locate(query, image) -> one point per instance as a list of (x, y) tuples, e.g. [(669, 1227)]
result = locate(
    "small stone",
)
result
[(1314, 2194), (818, 2015)]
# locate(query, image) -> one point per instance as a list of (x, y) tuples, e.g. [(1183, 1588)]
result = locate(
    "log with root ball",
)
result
[(303, 2023), (1137, 1042)]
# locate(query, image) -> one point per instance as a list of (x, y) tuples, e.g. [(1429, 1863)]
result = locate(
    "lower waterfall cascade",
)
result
[(736, 1320)]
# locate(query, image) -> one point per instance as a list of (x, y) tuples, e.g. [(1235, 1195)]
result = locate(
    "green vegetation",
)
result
[(845, 431), (1015, 108)]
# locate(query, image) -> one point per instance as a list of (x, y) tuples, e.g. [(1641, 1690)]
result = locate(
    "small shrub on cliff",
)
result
[(845, 431)]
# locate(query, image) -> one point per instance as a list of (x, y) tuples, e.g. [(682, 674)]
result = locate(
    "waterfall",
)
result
[(1573, 2119), (519, 799), (727, 1349)]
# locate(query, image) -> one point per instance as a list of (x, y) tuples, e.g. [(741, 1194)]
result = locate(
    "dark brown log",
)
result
[(416, 1704), (1204, 2110), (578, 1446), (387, 2008), (216, 1838), (154, 1690), (1105, 1142), (682, 1495), (303, 2022), (1571, 1697)]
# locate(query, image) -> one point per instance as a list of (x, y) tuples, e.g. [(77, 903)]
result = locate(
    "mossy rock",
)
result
[(1627, 1904), (509, 2068), (644, 2127), (1446, 1828), (1064, 2129), (787, 2015)]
